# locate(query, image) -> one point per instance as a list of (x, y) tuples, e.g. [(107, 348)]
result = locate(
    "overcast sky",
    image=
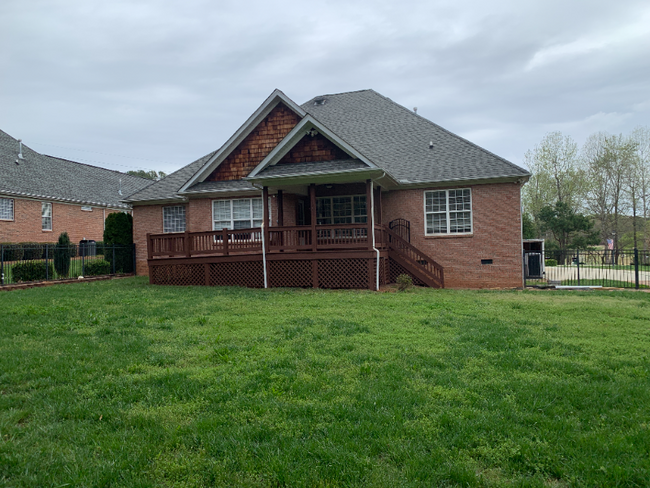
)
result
[(158, 84)]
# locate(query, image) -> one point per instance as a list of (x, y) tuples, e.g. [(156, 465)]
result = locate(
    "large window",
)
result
[(448, 211), (6, 209), (46, 216), (243, 213), (341, 210), (174, 219)]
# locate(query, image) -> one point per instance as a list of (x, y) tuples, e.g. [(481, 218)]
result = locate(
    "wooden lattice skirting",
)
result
[(325, 270)]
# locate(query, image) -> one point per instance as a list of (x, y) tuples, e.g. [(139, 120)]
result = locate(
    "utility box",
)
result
[(534, 258), (87, 248)]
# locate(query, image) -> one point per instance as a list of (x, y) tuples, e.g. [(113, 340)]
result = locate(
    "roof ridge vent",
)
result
[(320, 101), (20, 149)]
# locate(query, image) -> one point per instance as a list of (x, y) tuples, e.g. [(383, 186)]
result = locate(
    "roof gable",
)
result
[(239, 137), (305, 128)]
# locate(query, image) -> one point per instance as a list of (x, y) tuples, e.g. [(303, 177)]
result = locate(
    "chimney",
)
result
[(20, 149)]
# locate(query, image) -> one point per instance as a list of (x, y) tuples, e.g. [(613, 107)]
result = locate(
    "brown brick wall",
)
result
[(310, 149), (26, 226), (257, 145), (146, 220), (199, 215), (496, 235)]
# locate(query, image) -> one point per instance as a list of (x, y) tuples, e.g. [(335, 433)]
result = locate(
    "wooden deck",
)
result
[(323, 256)]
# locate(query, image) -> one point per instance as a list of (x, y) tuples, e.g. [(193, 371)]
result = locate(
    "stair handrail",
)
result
[(412, 253)]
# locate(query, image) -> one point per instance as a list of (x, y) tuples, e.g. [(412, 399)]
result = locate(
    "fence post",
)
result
[(2, 264), (113, 258), (83, 253), (578, 264), (133, 252), (47, 268), (636, 268)]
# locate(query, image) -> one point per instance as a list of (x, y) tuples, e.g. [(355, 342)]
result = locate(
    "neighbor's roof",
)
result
[(397, 140), (50, 178)]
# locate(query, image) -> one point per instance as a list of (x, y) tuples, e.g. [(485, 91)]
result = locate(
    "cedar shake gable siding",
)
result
[(257, 145), (314, 149)]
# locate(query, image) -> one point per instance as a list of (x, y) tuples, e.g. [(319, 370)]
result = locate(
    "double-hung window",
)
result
[(341, 210), (448, 211), (243, 213), (174, 219), (46, 216), (6, 209)]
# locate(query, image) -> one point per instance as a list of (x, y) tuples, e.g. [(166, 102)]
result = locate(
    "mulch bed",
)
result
[(33, 284)]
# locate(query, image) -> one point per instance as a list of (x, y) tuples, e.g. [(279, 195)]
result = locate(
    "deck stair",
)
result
[(417, 263)]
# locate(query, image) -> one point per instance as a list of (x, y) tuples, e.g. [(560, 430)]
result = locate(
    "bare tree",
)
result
[(556, 175), (641, 136), (609, 160)]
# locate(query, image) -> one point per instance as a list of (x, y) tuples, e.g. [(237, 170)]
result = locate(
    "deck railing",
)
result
[(280, 239), (413, 255)]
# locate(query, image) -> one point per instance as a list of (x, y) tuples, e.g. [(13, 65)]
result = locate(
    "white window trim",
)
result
[(13, 210), (232, 213), (448, 233), (86, 208), (163, 219), (51, 217), (352, 201)]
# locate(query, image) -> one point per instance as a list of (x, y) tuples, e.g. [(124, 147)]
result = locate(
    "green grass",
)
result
[(118, 383)]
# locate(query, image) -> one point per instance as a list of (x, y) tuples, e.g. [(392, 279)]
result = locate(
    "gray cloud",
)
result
[(168, 83)]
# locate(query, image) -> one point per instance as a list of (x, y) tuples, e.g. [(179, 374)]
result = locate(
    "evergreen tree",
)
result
[(62, 255), (118, 242)]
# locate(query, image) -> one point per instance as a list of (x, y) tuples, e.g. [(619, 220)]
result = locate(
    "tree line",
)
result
[(578, 197)]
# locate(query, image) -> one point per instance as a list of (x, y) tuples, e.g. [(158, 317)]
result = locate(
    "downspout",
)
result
[(266, 278), (372, 217)]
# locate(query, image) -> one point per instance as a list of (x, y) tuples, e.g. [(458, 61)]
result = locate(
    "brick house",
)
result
[(42, 196), (345, 191)]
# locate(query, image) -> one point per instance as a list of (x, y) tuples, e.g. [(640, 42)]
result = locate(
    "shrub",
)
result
[(97, 267), (32, 250), (12, 252), (99, 246), (62, 255), (404, 282), (32, 271), (118, 232), (551, 262)]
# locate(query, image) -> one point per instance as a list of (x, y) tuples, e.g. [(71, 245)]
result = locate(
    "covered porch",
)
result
[(357, 251)]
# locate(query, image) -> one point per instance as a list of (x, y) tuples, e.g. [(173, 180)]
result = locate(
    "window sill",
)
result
[(7, 220), (448, 236), (46, 230)]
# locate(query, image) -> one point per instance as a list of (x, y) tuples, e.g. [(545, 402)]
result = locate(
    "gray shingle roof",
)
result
[(216, 186), (397, 140), (384, 132), (296, 169), (167, 188), (49, 178)]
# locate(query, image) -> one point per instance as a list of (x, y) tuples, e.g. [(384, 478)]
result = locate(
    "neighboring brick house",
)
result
[(42, 196), (443, 210)]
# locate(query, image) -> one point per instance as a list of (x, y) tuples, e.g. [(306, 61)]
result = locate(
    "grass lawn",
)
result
[(119, 383)]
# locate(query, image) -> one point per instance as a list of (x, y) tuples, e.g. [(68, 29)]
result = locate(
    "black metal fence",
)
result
[(47, 262), (602, 267)]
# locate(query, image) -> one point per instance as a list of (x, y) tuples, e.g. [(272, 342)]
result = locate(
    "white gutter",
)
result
[(372, 217), (266, 278)]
